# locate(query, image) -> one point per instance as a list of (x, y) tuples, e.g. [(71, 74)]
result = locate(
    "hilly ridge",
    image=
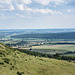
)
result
[(14, 62)]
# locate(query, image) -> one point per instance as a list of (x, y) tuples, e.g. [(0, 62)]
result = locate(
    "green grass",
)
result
[(31, 65), (49, 51)]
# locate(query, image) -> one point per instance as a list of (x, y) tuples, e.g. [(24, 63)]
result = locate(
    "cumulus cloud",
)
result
[(14, 4), (43, 11), (20, 6), (6, 4)]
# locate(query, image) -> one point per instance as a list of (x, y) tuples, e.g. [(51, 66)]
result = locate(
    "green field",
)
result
[(47, 47), (52, 49), (69, 54), (57, 47)]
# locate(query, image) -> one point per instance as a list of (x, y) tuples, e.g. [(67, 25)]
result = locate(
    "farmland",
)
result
[(52, 49), (57, 47), (36, 56), (42, 42)]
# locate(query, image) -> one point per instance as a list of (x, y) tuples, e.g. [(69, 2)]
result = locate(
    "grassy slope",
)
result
[(31, 65)]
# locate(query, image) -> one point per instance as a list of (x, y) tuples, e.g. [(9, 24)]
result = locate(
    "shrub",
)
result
[(1, 63), (0, 54), (10, 63), (6, 60), (20, 73), (12, 67)]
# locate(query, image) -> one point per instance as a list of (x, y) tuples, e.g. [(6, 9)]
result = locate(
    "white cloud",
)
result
[(57, 2), (11, 7), (46, 2), (28, 15), (20, 15), (59, 12), (20, 6), (43, 2), (7, 4), (6, 1), (3, 9), (43, 11), (26, 1), (69, 10), (2, 16)]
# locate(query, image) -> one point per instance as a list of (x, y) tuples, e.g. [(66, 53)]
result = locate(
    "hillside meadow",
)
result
[(14, 62)]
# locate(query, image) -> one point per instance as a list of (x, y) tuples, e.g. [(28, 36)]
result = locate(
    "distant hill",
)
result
[(14, 62), (7, 32), (22, 31), (68, 35)]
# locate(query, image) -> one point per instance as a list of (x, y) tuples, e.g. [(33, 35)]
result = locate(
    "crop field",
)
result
[(52, 49), (56, 47), (69, 54), (47, 45)]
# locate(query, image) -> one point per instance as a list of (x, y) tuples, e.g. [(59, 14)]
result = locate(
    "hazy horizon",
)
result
[(36, 28)]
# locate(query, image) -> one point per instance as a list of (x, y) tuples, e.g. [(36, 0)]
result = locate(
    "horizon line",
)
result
[(35, 28)]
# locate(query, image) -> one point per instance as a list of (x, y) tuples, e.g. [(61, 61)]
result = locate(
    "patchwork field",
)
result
[(52, 49)]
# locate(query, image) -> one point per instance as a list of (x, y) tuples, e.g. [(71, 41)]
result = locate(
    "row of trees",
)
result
[(56, 56), (19, 43)]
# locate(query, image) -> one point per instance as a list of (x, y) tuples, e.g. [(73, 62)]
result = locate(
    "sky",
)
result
[(37, 14)]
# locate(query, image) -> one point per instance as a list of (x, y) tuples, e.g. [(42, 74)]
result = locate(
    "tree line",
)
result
[(69, 35), (55, 56)]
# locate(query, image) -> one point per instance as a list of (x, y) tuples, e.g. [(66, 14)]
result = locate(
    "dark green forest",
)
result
[(69, 35)]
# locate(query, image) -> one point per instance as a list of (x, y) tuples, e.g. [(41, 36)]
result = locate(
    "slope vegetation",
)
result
[(14, 62)]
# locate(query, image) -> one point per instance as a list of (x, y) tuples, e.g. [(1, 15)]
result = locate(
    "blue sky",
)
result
[(37, 14)]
